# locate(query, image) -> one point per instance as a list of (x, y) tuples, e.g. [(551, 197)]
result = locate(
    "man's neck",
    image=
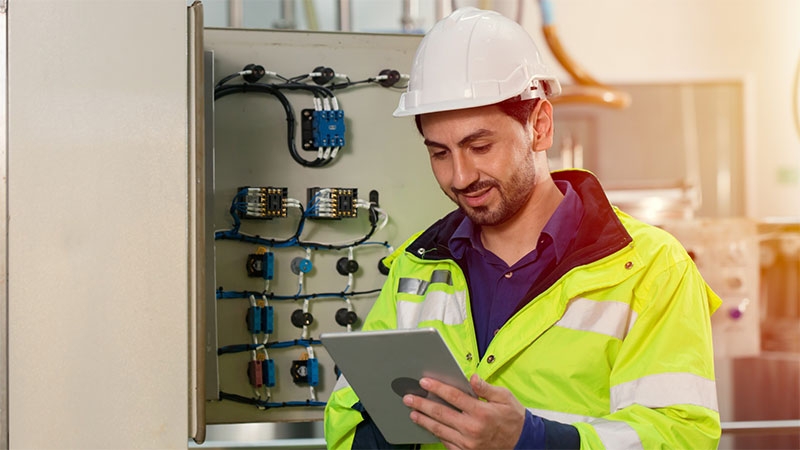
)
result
[(517, 237)]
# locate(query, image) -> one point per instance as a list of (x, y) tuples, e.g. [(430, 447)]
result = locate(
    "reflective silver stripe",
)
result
[(415, 286), (559, 416), (665, 389), (608, 317), (451, 309), (341, 383), (616, 435)]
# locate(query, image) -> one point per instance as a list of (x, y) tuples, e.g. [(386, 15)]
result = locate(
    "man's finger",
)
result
[(443, 432), (450, 394), (489, 392)]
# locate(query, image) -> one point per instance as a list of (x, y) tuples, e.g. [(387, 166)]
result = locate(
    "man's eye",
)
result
[(439, 154), (482, 148)]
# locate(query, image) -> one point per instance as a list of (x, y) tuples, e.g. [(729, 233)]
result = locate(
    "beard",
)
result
[(514, 194)]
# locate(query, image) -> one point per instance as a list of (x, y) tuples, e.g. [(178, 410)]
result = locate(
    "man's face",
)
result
[(483, 160)]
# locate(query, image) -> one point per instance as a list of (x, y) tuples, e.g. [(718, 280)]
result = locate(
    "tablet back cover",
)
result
[(382, 366)]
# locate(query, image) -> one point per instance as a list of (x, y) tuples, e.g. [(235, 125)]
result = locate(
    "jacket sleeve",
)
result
[(341, 418), (662, 388)]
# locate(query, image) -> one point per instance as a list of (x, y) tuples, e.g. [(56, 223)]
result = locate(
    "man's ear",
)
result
[(542, 120)]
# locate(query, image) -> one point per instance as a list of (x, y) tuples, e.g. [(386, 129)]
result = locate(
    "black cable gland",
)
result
[(345, 317), (346, 266), (300, 319), (257, 73), (392, 77), (326, 75), (383, 268)]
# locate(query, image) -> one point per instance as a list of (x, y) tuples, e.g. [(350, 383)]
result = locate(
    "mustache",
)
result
[(474, 187)]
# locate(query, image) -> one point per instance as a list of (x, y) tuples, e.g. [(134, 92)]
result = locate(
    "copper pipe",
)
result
[(588, 89)]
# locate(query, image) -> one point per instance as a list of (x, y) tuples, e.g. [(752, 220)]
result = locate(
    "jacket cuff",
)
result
[(539, 433)]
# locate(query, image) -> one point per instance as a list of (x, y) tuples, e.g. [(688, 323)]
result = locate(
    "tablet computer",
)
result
[(383, 366)]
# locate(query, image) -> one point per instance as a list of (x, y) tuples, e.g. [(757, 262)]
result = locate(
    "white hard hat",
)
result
[(474, 58)]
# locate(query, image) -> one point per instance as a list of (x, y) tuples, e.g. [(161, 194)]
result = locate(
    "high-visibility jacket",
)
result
[(615, 341)]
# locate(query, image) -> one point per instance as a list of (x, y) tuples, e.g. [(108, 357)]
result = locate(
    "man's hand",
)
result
[(495, 423)]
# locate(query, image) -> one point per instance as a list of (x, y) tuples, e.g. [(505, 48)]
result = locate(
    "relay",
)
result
[(262, 203), (332, 203)]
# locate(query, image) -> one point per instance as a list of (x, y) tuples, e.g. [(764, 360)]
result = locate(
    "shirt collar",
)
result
[(466, 235)]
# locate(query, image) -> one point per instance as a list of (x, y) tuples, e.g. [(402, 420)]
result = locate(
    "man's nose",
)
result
[(464, 171)]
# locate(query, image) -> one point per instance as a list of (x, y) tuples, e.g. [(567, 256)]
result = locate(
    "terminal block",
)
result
[(260, 319), (263, 203), (332, 203), (261, 373), (322, 128)]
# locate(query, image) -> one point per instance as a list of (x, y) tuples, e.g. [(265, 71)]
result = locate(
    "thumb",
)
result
[(487, 391)]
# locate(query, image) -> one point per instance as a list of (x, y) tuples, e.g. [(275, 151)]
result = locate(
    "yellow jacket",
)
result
[(616, 343)]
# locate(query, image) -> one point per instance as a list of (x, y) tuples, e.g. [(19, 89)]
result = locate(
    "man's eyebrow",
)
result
[(463, 142)]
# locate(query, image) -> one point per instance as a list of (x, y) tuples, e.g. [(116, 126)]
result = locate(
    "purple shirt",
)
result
[(497, 289)]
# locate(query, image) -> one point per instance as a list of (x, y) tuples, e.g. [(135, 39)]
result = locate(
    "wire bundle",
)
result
[(324, 99)]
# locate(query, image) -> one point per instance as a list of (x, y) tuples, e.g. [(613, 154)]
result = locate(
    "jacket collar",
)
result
[(600, 232)]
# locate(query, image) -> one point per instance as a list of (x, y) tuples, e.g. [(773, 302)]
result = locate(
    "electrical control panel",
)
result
[(307, 202)]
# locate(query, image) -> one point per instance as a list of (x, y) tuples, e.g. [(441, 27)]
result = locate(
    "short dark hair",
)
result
[(519, 110)]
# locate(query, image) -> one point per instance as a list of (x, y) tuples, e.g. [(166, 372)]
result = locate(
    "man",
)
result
[(578, 326)]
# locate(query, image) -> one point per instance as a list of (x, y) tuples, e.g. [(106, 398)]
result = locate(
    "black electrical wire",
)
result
[(349, 83), (271, 296), (317, 90), (244, 88), (226, 79)]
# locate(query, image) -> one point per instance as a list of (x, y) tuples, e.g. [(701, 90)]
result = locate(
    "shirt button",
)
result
[(509, 274), (469, 356), (490, 359)]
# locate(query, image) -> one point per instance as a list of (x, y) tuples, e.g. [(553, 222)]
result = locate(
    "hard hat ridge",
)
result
[(474, 58)]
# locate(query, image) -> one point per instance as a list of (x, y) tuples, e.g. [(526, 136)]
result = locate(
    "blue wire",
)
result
[(240, 348), (546, 7)]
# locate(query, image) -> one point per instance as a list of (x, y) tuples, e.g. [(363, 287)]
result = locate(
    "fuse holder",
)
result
[(260, 319), (255, 373), (261, 373), (268, 372)]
